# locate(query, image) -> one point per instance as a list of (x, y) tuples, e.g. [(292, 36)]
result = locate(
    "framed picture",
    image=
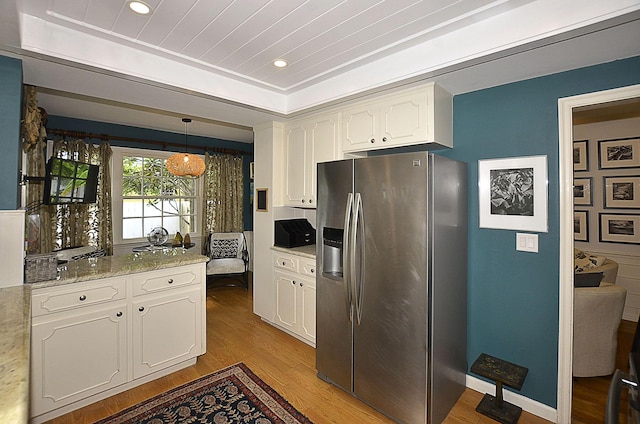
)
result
[(581, 155), (513, 193), (581, 225), (620, 228), (622, 192), (582, 191), (619, 153)]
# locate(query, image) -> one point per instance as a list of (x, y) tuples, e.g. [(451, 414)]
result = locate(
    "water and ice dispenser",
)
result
[(332, 252)]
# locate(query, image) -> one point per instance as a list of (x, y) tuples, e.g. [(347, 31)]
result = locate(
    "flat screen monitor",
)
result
[(68, 181)]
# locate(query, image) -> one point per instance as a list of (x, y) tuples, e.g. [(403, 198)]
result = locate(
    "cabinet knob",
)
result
[(83, 297), (283, 263), (302, 200), (384, 138), (141, 308), (373, 140), (310, 200), (293, 282), (170, 281), (119, 314), (312, 270), (301, 284)]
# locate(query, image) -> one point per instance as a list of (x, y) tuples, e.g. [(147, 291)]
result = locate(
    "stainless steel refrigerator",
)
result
[(392, 291)]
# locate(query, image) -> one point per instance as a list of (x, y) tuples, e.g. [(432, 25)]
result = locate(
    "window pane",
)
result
[(131, 166), (151, 223), (152, 207), (132, 228), (131, 208), (172, 224), (153, 167), (151, 187), (187, 224), (131, 186)]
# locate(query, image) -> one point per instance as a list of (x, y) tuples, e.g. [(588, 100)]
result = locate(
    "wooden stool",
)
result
[(502, 372)]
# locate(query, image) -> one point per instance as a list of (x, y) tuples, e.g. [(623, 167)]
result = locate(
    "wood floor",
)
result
[(235, 334)]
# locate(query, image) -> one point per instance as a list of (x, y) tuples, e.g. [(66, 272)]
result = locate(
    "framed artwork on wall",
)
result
[(622, 192), (619, 153), (581, 155), (513, 193), (620, 228), (582, 191), (581, 225), (261, 199)]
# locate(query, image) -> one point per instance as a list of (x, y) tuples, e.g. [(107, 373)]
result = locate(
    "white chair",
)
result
[(228, 259)]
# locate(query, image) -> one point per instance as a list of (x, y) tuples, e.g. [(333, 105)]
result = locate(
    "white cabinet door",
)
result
[(296, 152), (420, 115), (306, 143), (307, 310), (77, 354), (166, 329), (286, 307)]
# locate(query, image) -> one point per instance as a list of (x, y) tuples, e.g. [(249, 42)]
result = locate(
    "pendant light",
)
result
[(185, 164)]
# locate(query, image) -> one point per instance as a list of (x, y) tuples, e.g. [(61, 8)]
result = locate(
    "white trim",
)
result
[(533, 407), (116, 181), (565, 157)]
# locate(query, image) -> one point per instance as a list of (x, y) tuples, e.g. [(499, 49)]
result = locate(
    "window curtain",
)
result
[(84, 224), (223, 194)]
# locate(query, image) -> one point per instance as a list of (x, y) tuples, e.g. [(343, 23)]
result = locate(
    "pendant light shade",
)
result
[(185, 164)]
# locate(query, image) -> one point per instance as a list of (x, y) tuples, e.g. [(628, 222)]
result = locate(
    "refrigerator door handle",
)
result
[(346, 259), (357, 268)]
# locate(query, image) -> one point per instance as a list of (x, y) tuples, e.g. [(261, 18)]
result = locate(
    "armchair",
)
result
[(228, 259)]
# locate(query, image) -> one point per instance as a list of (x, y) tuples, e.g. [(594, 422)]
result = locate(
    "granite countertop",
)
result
[(113, 266), (306, 251), (15, 330)]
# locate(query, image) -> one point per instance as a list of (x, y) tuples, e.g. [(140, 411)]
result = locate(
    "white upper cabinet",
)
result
[(306, 143), (420, 115)]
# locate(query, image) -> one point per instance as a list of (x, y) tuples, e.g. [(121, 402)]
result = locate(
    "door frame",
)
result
[(565, 157)]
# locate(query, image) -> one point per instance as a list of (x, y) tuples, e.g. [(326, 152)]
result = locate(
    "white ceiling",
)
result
[(212, 60)]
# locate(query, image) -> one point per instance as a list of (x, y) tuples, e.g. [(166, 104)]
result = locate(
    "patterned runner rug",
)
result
[(232, 395)]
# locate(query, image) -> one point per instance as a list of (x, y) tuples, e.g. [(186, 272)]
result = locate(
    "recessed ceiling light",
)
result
[(279, 63), (140, 7)]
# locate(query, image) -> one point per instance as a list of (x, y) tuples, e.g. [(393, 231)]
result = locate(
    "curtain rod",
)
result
[(164, 144)]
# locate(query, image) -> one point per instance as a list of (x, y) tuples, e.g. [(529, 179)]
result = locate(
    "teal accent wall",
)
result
[(513, 296), (95, 127), (10, 115)]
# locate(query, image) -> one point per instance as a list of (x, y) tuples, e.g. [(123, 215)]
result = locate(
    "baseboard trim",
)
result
[(533, 407)]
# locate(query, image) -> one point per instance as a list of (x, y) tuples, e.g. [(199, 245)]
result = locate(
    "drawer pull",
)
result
[(141, 308), (301, 284), (373, 140), (312, 270), (83, 298), (170, 281), (283, 263), (118, 314), (293, 282)]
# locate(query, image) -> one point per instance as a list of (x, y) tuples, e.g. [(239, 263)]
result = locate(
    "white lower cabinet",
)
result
[(93, 339), (77, 354), (164, 333), (295, 285)]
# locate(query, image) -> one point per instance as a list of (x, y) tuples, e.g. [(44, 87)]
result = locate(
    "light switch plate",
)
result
[(527, 242)]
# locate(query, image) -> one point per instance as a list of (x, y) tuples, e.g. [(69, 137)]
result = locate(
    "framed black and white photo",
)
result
[(581, 155), (620, 228), (581, 225), (622, 192), (619, 153), (513, 193), (582, 191)]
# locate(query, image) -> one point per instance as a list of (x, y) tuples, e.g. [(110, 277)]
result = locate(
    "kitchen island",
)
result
[(108, 324)]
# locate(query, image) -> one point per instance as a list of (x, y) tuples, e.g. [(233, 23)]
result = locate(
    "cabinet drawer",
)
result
[(152, 282), (308, 267), (78, 295), (287, 262)]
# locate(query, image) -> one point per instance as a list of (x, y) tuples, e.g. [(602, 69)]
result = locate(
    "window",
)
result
[(146, 195)]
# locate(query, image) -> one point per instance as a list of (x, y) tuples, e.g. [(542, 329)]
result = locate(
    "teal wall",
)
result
[(513, 296), (10, 114), (95, 127)]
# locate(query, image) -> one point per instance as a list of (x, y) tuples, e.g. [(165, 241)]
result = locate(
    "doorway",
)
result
[(566, 108)]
